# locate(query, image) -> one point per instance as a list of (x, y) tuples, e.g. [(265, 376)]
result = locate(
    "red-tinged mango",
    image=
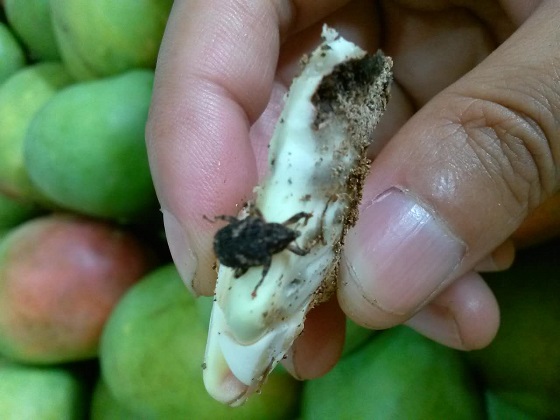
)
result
[(60, 277)]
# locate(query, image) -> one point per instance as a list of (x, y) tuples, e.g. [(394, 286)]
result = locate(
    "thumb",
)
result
[(457, 180)]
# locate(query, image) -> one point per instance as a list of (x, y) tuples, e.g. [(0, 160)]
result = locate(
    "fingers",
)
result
[(499, 259), (432, 50), (457, 179), (214, 78), (464, 316), (319, 346)]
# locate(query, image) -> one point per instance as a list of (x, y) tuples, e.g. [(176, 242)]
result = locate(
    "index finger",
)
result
[(214, 77)]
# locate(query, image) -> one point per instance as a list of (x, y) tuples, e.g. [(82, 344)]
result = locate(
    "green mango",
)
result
[(12, 57), (398, 374), (104, 406), (152, 351), (32, 392), (85, 148), (355, 337), (104, 37), (522, 365), (31, 20), (499, 409), (13, 212), (21, 96)]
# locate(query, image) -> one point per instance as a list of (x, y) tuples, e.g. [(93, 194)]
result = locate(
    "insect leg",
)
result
[(254, 210), (266, 266), (223, 217), (239, 271), (297, 250), (297, 216)]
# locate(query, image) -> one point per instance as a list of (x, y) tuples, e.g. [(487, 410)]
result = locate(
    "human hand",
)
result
[(470, 148)]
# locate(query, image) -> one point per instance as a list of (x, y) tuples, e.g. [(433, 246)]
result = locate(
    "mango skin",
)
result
[(21, 96), (105, 407), (100, 38), (32, 392), (85, 149), (60, 278), (31, 20), (522, 364), (13, 212), (397, 374), (499, 409), (151, 358), (355, 337), (12, 57)]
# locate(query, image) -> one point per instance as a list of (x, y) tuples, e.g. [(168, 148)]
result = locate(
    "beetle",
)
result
[(252, 241)]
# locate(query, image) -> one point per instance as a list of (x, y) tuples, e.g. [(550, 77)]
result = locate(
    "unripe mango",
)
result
[(12, 57), (355, 337), (104, 37), (31, 392), (522, 364), (31, 19), (104, 406), (21, 96), (13, 212), (499, 409), (398, 375), (85, 149), (151, 358)]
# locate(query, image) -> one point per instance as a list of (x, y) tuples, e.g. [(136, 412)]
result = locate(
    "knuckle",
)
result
[(515, 146)]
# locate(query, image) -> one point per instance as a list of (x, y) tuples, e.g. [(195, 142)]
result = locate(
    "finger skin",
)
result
[(319, 346), (213, 80), (500, 259), (462, 174), (464, 316)]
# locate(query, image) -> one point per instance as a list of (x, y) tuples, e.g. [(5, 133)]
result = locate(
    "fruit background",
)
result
[(94, 319)]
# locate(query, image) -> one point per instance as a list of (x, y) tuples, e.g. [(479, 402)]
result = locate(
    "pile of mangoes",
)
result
[(94, 319)]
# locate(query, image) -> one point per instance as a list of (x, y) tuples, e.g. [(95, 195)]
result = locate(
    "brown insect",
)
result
[(252, 241)]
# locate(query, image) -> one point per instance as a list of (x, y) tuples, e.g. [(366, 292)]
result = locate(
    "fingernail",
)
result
[(399, 253), (438, 323), (179, 245)]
